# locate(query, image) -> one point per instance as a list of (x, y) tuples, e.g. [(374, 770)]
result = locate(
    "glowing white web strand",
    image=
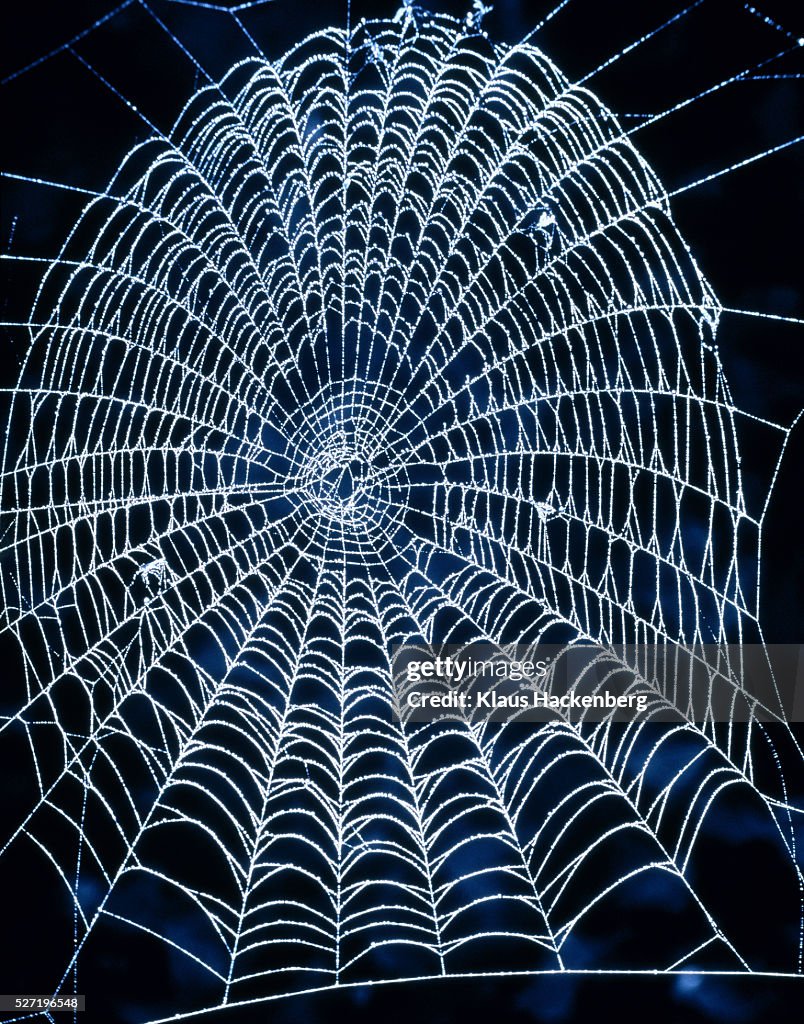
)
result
[(389, 340)]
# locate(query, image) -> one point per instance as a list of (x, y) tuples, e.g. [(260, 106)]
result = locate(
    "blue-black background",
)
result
[(61, 123)]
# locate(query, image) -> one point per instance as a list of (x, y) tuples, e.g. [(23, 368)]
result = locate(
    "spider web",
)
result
[(393, 340)]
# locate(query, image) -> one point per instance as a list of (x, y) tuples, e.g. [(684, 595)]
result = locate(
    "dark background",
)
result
[(63, 124)]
